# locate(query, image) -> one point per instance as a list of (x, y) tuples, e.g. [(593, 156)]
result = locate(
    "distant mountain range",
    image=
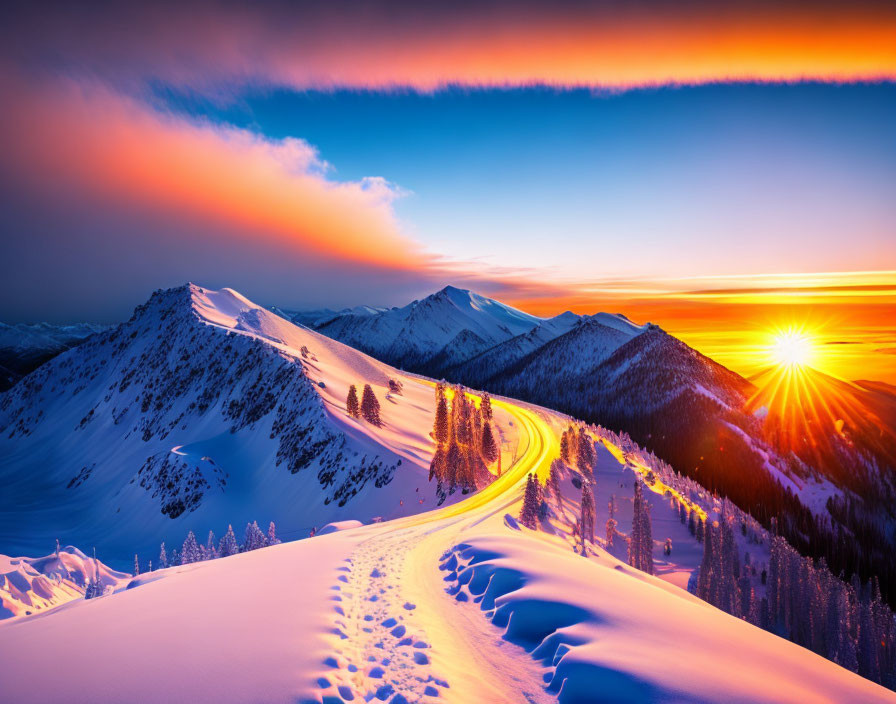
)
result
[(23, 348), (833, 493)]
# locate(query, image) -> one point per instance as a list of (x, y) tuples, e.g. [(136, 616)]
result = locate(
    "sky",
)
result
[(723, 172)]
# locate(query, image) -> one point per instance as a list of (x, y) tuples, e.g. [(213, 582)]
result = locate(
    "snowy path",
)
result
[(399, 637)]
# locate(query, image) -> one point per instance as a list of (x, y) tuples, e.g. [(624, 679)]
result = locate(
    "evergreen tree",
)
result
[(486, 407), (489, 447), (437, 466), (454, 471), (211, 550), (370, 406), (701, 529), (646, 540), (529, 511), (254, 538), (351, 403), (163, 558), (272, 535), (564, 447), (441, 429), (641, 539), (228, 544), (95, 586), (136, 565), (587, 513), (554, 479), (585, 456), (190, 551), (611, 533)]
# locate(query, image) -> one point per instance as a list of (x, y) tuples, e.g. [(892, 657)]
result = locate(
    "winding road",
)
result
[(399, 637)]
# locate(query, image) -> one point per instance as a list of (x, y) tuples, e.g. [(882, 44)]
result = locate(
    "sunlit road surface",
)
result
[(405, 552), (538, 446)]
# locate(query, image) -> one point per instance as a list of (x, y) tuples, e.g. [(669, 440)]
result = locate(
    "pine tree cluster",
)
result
[(465, 442), (848, 623), (193, 551), (577, 450)]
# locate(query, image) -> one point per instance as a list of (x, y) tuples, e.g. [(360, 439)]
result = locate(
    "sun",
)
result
[(792, 347)]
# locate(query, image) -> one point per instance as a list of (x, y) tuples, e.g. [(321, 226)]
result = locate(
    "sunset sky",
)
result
[(721, 172)]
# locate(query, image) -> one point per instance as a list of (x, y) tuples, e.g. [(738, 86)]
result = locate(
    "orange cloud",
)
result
[(426, 46), (84, 138)]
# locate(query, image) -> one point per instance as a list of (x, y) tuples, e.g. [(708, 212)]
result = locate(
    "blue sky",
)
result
[(771, 178)]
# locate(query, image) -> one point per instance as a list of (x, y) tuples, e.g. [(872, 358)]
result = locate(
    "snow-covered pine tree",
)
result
[(272, 535), (136, 565), (585, 456), (564, 447), (254, 538), (646, 539), (634, 545), (529, 511), (351, 403), (190, 551), (707, 564), (163, 557), (211, 550), (228, 544), (489, 446), (611, 533), (437, 466), (370, 406), (453, 467), (486, 407), (641, 542), (554, 478), (587, 513), (441, 429), (95, 586)]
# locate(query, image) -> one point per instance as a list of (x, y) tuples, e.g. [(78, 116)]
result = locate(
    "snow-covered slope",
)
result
[(455, 322), (23, 347), (366, 614), (201, 411), (29, 585)]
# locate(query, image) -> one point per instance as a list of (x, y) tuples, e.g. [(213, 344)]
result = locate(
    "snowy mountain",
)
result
[(23, 348), (203, 410), (30, 585), (446, 328), (832, 474)]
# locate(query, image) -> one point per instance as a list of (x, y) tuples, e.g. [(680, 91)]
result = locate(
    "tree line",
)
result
[(465, 442)]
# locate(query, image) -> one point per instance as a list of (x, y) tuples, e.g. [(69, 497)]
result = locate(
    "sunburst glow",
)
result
[(792, 348)]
